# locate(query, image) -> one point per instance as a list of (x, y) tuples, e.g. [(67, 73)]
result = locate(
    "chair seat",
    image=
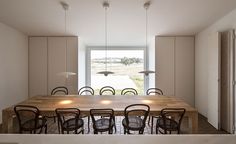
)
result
[(29, 125), (171, 125), (103, 124), (70, 124), (135, 123)]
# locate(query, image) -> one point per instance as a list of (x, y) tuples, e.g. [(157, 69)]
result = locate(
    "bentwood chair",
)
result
[(29, 119), (69, 120), (103, 120), (60, 90), (135, 118), (86, 90), (153, 91), (170, 120), (107, 90), (129, 91)]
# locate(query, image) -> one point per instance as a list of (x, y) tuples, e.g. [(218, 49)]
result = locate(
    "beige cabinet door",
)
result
[(184, 69), (72, 64), (63, 63), (165, 64), (37, 66)]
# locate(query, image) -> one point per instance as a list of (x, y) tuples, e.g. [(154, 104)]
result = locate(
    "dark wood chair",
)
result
[(60, 90), (86, 90), (103, 120), (170, 120), (153, 91), (107, 90), (135, 118), (129, 91), (69, 120), (29, 119)]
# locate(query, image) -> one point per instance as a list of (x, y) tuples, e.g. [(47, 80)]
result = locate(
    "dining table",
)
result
[(47, 105)]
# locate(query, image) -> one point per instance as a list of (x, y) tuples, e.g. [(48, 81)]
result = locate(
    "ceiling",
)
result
[(126, 18)]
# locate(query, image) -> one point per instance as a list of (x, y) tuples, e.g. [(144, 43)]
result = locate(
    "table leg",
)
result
[(194, 118), (7, 121)]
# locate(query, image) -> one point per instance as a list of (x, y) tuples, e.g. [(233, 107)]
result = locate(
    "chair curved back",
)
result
[(129, 91), (175, 114), (64, 115), (139, 110), (59, 90), (86, 90), (25, 114), (99, 115), (154, 91), (107, 90)]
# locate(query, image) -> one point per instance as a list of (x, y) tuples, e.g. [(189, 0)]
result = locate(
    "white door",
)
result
[(213, 113)]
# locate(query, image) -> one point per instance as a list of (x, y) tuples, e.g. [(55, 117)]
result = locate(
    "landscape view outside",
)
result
[(124, 63)]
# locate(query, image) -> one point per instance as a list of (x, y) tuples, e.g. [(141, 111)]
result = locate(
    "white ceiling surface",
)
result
[(126, 18)]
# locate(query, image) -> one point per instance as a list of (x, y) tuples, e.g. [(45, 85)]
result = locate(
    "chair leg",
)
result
[(114, 119), (152, 124), (46, 129), (149, 120), (88, 124), (58, 127)]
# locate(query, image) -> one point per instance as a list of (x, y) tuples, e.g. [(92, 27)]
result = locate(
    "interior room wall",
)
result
[(14, 67), (201, 55)]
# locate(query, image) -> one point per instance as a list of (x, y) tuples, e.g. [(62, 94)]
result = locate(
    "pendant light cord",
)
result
[(146, 27), (66, 44), (106, 38)]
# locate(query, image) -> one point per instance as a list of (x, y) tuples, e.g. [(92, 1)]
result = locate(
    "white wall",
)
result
[(201, 55), (13, 67)]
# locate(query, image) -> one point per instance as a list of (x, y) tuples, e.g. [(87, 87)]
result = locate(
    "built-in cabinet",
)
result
[(174, 58), (53, 61)]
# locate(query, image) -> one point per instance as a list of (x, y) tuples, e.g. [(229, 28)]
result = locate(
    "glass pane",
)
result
[(124, 63)]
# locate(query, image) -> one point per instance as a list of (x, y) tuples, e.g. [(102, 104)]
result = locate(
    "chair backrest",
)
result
[(129, 91), (154, 91), (59, 90), (175, 114), (140, 110), (98, 113), (86, 90), (64, 114), (107, 90), (25, 113)]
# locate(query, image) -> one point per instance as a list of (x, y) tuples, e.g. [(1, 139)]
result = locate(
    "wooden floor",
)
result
[(204, 127)]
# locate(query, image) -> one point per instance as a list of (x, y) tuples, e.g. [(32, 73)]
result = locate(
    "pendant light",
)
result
[(146, 6), (65, 6), (105, 72)]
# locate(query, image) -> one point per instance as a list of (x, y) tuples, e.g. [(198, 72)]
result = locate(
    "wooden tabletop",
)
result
[(118, 103)]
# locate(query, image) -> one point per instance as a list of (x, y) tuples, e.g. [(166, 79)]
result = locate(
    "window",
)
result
[(124, 62)]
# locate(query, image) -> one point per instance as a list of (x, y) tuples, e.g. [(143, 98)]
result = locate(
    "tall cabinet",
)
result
[(53, 61), (175, 66)]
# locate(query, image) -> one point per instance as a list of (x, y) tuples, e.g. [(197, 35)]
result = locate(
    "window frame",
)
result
[(109, 48)]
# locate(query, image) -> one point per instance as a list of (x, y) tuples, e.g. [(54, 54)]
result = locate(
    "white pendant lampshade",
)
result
[(105, 72), (146, 6), (65, 6)]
